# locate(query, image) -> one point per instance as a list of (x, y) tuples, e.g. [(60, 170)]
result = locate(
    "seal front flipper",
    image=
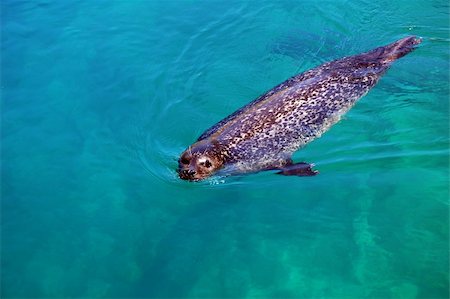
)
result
[(298, 169)]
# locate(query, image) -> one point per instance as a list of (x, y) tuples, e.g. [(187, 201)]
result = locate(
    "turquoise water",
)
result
[(100, 97)]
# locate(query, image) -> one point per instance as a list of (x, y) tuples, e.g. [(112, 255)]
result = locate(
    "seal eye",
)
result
[(184, 160), (204, 162)]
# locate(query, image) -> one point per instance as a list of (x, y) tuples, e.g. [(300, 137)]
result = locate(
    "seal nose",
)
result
[(188, 172)]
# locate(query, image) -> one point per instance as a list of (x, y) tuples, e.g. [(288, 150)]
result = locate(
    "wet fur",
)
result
[(266, 132)]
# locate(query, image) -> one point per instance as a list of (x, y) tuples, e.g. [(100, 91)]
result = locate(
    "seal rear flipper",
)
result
[(298, 169), (389, 53)]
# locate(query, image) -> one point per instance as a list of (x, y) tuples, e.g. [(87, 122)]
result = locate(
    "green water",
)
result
[(100, 97)]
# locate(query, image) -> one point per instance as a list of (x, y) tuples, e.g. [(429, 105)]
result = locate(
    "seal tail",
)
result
[(389, 53)]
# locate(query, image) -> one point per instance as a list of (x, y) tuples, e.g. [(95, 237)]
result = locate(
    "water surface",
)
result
[(100, 97)]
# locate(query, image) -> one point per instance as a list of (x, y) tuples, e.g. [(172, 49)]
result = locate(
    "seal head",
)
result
[(199, 161)]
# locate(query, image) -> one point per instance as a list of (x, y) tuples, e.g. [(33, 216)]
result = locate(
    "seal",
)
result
[(265, 133)]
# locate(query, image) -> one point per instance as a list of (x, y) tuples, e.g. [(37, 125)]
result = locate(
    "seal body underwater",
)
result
[(265, 133)]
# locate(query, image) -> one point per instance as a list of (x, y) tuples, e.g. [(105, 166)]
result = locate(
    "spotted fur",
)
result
[(264, 133)]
